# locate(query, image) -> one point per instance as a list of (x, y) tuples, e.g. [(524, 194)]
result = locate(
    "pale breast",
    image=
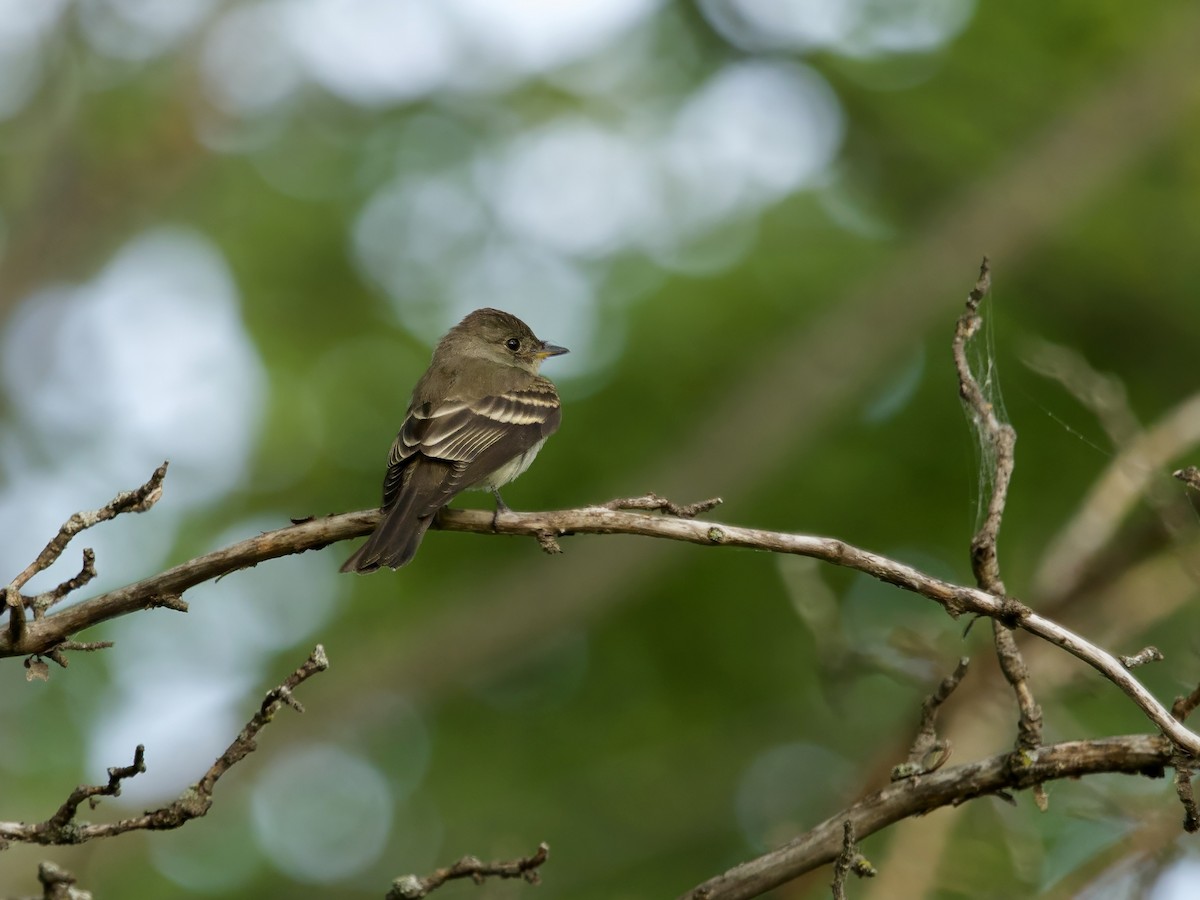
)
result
[(509, 470)]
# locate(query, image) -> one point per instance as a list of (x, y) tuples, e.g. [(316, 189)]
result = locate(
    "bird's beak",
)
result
[(550, 350)]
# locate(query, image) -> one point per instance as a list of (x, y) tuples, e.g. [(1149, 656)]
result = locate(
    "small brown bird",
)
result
[(478, 417)]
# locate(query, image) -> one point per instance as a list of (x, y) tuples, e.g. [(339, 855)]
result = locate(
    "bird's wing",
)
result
[(474, 437)]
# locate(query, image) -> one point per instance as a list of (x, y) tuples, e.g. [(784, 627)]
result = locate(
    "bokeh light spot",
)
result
[(138, 30), (372, 52), (574, 187), (150, 361), (245, 67), (321, 813)]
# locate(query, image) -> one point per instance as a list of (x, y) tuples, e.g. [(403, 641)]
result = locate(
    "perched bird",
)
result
[(478, 417)]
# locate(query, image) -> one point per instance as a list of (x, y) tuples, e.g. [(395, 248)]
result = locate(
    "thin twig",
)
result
[(87, 572), (928, 753), (1185, 706), (653, 503), (1183, 790), (59, 884), (58, 654), (1142, 657), (90, 792), (413, 887), (138, 500), (61, 828), (1189, 476), (849, 860), (1001, 438), (84, 646), (841, 866)]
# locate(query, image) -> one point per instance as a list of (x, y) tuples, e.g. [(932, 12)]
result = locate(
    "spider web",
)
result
[(981, 358)]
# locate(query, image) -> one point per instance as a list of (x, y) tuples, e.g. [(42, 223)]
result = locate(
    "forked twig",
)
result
[(413, 887), (62, 827)]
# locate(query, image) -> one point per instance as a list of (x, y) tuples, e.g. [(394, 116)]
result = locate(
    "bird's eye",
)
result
[(513, 344)]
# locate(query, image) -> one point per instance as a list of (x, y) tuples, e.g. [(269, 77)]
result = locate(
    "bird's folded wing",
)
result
[(474, 437)]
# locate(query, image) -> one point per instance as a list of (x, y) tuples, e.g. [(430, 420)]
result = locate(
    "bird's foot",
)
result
[(501, 507)]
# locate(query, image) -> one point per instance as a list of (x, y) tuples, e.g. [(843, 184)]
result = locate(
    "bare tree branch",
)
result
[(413, 887), (62, 827), (313, 534), (1132, 755), (1002, 439)]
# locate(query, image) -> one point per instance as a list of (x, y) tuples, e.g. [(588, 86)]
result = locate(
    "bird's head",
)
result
[(497, 336)]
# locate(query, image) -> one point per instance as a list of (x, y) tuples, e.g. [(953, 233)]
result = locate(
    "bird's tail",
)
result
[(396, 538), (393, 543)]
